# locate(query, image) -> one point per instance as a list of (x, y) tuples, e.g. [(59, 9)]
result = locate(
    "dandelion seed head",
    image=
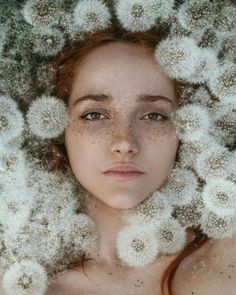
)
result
[(189, 214), (209, 39), (25, 278), (47, 117), (91, 15), (152, 209), (225, 20), (48, 41), (137, 245), (204, 67), (222, 82), (217, 227), (42, 12), (225, 124), (219, 196), (11, 120), (171, 236), (213, 162), (192, 122), (228, 46), (189, 151), (181, 186), (82, 234), (163, 8), (136, 15), (176, 54), (196, 14)]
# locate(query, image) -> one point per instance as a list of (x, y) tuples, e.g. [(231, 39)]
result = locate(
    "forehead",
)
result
[(121, 69)]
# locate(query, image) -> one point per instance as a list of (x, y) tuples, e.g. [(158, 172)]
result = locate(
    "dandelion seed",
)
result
[(213, 162), (219, 196), (222, 82), (149, 211), (189, 214), (25, 278), (91, 15), (197, 14), (47, 117), (82, 235), (209, 39), (137, 245), (48, 41), (225, 20), (204, 67), (203, 97), (189, 151), (180, 187), (171, 236), (217, 227), (178, 56), (13, 165), (228, 46), (164, 9), (136, 15), (11, 120), (225, 124), (192, 122), (42, 12)]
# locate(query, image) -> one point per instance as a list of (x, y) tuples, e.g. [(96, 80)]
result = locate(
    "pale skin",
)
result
[(125, 131), (120, 134)]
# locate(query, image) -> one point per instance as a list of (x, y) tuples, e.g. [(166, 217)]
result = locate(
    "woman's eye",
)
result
[(94, 116), (156, 117)]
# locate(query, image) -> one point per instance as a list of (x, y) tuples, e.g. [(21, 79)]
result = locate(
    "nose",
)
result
[(125, 142)]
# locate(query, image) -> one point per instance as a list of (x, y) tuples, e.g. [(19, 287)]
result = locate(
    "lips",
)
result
[(124, 169)]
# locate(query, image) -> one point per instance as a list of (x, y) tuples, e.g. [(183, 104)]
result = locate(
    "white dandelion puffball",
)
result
[(225, 22), (25, 278), (150, 210), (47, 41), (164, 9), (11, 120), (219, 196), (205, 65), (178, 56), (203, 97), (196, 14), (192, 122), (82, 234), (217, 227), (91, 15), (13, 165), (42, 12), (136, 15), (180, 187), (225, 123), (222, 82), (16, 203), (171, 236), (188, 151), (137, 245), (47, 117), (214, 162), (229, 46), (190, 214)]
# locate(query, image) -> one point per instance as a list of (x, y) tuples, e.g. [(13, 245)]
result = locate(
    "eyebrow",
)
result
[(142, 98)]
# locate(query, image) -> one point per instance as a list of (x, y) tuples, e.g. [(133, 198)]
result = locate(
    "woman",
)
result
[(120, 102)]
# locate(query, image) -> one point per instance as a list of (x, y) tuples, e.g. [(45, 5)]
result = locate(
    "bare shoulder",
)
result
[(211, 269)]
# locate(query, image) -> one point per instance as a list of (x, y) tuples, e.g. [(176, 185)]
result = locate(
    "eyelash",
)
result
[(83, 117)]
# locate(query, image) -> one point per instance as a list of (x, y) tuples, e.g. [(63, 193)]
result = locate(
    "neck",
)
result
[(108, 223)]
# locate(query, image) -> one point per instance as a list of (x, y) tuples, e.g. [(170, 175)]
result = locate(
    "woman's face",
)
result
[(130, 99)]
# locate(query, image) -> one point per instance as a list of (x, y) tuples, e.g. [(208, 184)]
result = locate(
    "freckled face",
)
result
[(121, 128)]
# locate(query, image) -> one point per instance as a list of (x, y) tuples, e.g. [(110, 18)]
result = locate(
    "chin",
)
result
[(123, 202)]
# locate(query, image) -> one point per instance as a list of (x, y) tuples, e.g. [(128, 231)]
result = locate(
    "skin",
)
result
[(123, 132), (125, 71)]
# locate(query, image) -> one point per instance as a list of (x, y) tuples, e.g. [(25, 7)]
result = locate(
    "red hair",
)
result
[(64, 66)]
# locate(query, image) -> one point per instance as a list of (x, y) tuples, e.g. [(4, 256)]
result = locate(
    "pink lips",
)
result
[(124, 172)]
